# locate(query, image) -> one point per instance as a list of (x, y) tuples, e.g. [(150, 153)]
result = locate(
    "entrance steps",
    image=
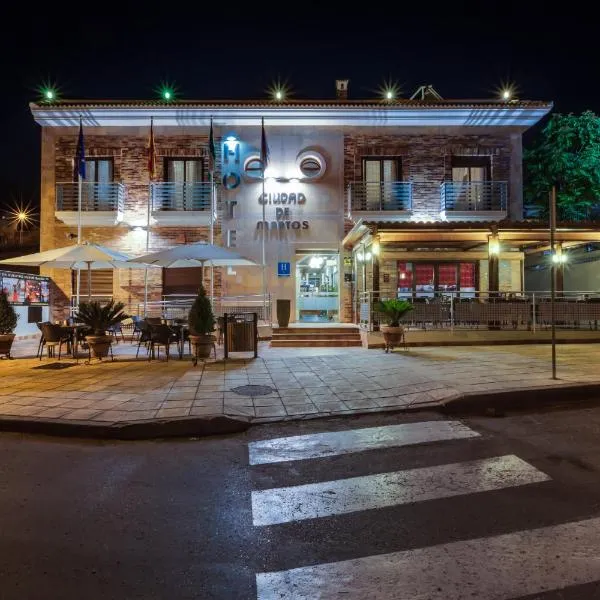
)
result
[(312, 337)]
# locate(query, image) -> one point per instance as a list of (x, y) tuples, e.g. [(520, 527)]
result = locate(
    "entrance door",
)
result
[(317, 287)]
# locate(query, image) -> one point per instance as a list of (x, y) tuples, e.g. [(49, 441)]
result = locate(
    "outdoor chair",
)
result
[(115, 330), (144, 336), (42, 342), (136, 327), (161, 335), (54, 335)]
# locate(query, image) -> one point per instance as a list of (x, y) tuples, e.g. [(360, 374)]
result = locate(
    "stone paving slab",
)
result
[(305, 383)]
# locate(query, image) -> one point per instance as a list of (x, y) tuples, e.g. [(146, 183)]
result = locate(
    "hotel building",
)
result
[(393, 197)]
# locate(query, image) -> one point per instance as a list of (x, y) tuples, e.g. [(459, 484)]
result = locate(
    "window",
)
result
[(98, 193), (99, 170), (469, 169), (184, 281), (426, 280), (101, 284), (184, 170), (381, 177), (470, 174)]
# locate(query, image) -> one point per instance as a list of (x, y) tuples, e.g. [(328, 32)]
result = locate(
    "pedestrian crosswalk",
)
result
[(498, 567)]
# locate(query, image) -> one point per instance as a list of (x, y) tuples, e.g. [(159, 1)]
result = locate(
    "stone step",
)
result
[(316, 336), (315, 330), (287, 343)]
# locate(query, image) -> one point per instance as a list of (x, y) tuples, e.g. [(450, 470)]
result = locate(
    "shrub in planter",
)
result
[(8, 323), (201, 321), (98, 318), (392, 311)]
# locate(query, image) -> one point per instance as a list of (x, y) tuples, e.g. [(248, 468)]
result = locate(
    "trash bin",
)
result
[(241, 333)]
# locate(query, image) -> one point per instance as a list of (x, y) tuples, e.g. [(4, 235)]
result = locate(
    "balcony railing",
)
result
[(474, 196), (95, 197), (380, 196), (174, 196)]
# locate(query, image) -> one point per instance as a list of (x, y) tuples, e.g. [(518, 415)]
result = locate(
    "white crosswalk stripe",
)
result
[(281, 505), (493, 568), (500, 567), (321, 445)]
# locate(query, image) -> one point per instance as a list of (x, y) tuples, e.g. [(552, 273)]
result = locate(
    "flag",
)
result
[(80, 154), (151, 152), (212, 156), (264, 148)]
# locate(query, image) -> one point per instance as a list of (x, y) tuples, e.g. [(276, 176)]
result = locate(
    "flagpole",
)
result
[(80, 157), (212, 159), (151, 167), (264, 261)]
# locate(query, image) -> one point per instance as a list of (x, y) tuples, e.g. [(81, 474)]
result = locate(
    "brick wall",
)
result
[(426, 159), (130, 160)]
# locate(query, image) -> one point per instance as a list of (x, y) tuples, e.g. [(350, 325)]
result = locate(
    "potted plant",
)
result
[(8, 322), (98, 318), (201, 321), (392, 311)]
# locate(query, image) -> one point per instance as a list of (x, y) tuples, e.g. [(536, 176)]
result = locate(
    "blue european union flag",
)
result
[(80, 155)]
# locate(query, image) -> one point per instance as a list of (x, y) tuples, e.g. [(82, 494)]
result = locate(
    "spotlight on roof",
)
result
[(506, 94)]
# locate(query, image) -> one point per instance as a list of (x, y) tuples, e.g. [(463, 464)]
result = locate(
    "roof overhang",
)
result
[(518, 233), (502, 115)]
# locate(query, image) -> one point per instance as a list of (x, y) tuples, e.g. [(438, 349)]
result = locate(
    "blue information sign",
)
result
[(283, 269)]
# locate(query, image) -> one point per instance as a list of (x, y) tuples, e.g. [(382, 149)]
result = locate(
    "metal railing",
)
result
[(178, 307), (170, 195), (95, 197), (380, 196), (488, 310), (473, 196)]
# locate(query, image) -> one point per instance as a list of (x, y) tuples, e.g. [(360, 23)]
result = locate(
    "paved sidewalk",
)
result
[(297, 383)]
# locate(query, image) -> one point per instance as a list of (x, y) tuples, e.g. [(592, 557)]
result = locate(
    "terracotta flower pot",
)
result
[(283, 312), (99, 345), (393, 336), (6, 340)]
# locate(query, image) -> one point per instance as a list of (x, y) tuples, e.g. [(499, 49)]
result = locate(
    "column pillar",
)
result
[(376, 288), (493, 264)]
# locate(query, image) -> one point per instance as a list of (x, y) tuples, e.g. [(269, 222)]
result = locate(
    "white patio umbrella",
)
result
[(198, 254), (81, 256)]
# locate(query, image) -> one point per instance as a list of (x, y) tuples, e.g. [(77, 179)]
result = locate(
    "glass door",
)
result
[(317, 287), (379, 176)]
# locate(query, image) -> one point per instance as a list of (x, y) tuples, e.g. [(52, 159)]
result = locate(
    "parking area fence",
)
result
[(488, 310)]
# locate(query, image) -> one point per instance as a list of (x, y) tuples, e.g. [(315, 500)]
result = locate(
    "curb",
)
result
[(495, 403), (140, 430), (478, 404)]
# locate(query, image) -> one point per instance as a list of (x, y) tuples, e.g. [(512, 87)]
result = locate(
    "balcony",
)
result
[(474, 200), (388, 200), (101, 203), (176, 203)]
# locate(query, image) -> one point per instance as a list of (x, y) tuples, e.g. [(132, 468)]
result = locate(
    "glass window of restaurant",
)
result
[(434, 279)]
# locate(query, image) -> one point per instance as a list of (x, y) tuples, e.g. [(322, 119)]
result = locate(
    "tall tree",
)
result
[(566, 154)]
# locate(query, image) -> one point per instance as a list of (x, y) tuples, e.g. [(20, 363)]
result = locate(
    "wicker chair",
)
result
[(54, 335)]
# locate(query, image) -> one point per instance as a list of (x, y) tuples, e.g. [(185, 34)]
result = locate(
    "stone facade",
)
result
[(426, 160)]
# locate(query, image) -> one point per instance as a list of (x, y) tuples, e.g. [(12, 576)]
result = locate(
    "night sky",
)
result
[(114, 50)]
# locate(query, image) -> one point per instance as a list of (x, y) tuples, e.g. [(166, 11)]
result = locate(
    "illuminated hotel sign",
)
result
[(283, 218)]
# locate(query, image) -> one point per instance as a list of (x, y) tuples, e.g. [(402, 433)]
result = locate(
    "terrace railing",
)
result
[(488, 310), (95, 197), (474, 196), (379, 196), (170, 195)]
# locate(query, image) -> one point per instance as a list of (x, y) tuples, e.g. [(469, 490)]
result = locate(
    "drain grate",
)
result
[(253, 390), (55, 366)]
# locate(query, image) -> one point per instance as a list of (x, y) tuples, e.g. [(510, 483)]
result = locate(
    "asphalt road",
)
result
[(483, 508)]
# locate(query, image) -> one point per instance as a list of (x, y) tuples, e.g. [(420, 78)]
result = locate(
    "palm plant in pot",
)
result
[(201, 321), (98, 319), (392, 311), (8, 323)]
